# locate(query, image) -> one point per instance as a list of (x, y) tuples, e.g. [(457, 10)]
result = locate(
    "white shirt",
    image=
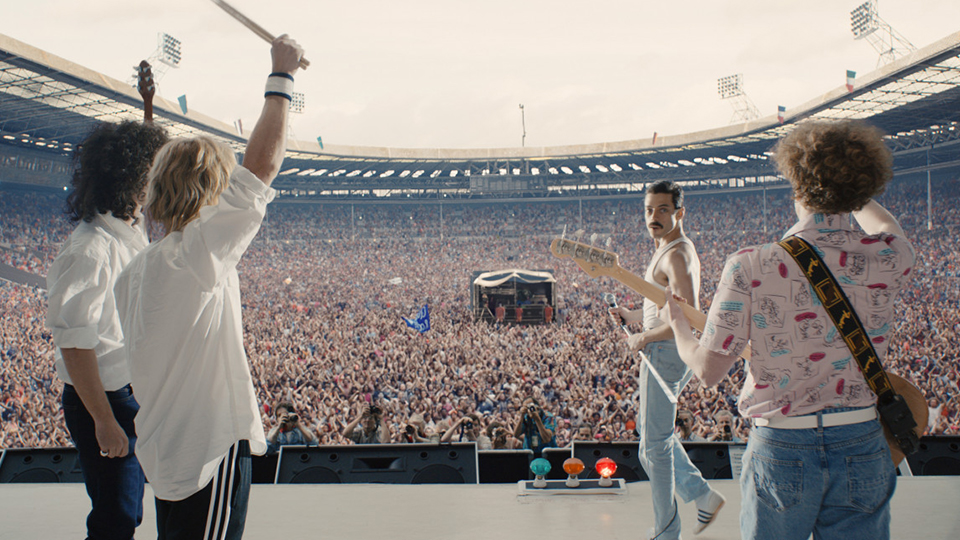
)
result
[(179, 303), (81, 310)]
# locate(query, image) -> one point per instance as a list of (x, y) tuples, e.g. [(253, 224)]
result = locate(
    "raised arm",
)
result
[(268, 141), (875, 219), (709, 366)]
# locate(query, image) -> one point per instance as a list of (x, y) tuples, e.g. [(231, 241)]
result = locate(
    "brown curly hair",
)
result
[(835, 167)]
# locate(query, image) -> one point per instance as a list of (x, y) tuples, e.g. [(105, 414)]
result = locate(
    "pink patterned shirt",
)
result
[(799, 363)]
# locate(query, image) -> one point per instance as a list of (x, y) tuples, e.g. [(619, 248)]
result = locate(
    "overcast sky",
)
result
[(451, 73)]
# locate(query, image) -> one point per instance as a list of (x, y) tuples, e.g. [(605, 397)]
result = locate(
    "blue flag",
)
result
[(422, 322)]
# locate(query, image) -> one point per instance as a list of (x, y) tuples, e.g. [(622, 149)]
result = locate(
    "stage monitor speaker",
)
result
[(556, 457), (454, 463), (40, 465), (939, 455), (504, 466), (625, 454), (712, 458), (264, 469)]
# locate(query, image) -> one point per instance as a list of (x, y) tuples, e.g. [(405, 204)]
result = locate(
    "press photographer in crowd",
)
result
[(289, 430), (373, 427), (536, 428), (469, 428)]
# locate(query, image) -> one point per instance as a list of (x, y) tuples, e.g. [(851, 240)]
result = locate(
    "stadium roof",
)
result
[(49, 103)]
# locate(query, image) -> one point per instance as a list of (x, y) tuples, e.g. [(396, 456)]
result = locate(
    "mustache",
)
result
[(654, 224)]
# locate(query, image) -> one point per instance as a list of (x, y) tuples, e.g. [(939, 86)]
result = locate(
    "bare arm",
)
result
[(268, 141), (709, 366), (448, 435), (384, 431), (676, 265), (85, 375), (875, 219), (348, 431)]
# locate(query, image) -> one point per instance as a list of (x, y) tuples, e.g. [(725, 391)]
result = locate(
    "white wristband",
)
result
[(279, 84)]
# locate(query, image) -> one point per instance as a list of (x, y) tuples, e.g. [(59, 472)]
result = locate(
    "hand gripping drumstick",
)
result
[(611, 301), (257, 29)]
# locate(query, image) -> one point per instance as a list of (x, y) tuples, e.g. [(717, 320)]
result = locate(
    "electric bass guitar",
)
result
[(598, 262)]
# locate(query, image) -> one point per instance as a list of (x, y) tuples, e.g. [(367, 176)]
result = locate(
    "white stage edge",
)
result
[(924, 508)]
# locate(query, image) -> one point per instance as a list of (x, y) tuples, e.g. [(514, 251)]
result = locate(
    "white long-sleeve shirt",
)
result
[(81, 310), (179, 303)]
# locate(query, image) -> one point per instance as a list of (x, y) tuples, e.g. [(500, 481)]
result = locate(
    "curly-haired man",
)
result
[(817, 461), (98, 402)]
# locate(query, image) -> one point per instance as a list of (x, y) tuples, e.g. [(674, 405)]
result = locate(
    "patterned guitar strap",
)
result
[(893, 409)]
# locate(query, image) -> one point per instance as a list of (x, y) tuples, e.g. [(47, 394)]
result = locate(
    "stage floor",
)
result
[(924, 508)]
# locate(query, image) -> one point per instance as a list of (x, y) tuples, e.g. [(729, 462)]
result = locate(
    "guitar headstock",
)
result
[(594, 261), (145, 84)]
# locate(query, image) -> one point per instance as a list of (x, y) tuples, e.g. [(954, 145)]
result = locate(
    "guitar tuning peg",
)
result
[(608, 242), (578, 234), (593, 238), (563, 235)]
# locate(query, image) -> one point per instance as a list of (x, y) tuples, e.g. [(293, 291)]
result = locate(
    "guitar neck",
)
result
[(655, 294)]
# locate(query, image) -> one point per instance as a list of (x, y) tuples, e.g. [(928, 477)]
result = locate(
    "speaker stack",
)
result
[(454, 463), (40, 465)]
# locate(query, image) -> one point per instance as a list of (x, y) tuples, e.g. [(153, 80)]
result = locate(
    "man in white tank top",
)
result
[(674, 263)]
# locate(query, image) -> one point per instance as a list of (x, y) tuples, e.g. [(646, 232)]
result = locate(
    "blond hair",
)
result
[(187, 175)]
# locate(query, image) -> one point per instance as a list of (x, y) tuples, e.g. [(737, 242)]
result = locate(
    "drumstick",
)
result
[(257, 29)]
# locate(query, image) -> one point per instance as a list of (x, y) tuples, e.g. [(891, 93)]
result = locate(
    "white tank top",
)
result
[(650, 319)]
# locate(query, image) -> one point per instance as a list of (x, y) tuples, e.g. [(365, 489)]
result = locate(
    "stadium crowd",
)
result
[(323, 313)]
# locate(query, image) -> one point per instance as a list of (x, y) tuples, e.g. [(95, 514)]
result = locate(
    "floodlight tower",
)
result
[(731, 88), (166, 56), (297, 103), (865, 23)]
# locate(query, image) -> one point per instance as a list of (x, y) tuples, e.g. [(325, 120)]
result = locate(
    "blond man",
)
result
[(179, 304)]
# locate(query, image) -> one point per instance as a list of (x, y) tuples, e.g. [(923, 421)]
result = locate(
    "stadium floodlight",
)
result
[(169, 48), (864, 19), (866, 23), (297, 103), (730, 86)]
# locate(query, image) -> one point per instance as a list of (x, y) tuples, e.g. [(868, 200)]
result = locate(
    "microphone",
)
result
[(611, 300)]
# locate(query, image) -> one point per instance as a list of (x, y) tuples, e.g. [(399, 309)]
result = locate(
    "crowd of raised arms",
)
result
[(324, 332)]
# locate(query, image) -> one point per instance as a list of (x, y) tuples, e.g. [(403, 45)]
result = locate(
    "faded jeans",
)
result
[(661, 454), (834, 482)]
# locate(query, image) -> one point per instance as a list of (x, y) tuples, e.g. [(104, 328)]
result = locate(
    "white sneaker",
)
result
[(707, 510)]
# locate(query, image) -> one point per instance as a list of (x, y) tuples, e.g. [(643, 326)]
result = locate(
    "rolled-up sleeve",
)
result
[(214, 243), (75, 300)]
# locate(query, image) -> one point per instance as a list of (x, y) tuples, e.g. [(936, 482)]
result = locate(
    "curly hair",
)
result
[(111, 169), (835, 167)]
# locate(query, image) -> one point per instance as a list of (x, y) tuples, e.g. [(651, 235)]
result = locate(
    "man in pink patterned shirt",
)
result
[(817, 460)]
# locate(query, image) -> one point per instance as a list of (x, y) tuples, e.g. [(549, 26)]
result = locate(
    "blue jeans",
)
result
[(834, 482), (661, 454), (115, 485)]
